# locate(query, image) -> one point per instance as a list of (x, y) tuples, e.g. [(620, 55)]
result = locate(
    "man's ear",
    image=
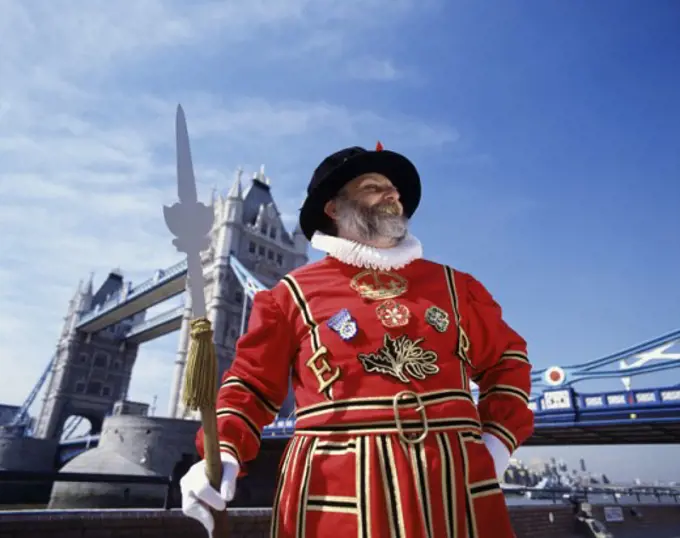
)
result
[(330, 209)]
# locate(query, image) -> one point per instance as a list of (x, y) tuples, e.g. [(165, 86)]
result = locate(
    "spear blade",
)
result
[(189, 220), (186, 182)]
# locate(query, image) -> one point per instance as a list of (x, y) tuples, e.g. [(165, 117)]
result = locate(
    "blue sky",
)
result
[(545, 132)]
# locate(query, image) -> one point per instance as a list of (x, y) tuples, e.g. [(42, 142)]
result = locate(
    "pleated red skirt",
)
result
[(380, 486)]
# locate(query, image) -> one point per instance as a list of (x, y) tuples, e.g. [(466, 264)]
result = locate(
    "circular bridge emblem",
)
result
[(555, 376)]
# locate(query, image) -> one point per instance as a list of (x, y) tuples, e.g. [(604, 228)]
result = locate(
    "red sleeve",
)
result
[(256, 384), (501, 368)]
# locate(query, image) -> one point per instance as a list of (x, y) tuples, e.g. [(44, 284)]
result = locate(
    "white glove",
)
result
[(499, 454), (196, 490)]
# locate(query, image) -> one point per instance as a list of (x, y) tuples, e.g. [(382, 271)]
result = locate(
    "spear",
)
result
[(190, 221)]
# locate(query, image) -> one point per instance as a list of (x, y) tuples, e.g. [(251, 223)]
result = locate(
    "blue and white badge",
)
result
[(343, 324)]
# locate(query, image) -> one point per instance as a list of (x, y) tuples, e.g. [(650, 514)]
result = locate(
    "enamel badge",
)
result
[(392, 314), (343, 324), (438, 318)]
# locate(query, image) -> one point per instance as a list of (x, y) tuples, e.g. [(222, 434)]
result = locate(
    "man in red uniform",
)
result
[(383, 345)]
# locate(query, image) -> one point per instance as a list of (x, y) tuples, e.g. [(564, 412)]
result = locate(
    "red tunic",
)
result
[(388, 436)]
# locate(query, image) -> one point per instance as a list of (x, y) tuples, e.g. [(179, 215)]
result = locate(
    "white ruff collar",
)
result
[(357, 254)]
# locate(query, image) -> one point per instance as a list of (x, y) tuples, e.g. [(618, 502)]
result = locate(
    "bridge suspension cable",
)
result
[(21, 417)]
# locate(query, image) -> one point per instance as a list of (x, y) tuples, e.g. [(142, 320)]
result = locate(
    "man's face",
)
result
[(374, 192), (368, 209)]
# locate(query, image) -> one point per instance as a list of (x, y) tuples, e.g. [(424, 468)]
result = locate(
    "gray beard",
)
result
[(369, 223)]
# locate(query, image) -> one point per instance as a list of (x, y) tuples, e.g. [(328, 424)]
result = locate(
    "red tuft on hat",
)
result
[(378, 146)]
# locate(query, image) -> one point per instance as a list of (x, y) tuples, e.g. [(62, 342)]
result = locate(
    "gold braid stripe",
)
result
[(391, 487), (305, 311), (332, 503), (339, 445), (448, 478), (304, 491), (503, 432), (283, 475), (384, 427), (421, 479), (269, 406), (513, 354), (453, 293), (229, 411), (509, 355), (485, 488), (230, 448), (471, 515), (471, 435), (363, 480), (317, 362), (379, 402), (505, 389), (336, 447), (463, 340)]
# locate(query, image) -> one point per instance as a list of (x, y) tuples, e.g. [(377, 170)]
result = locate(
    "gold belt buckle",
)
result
[(420, 407)]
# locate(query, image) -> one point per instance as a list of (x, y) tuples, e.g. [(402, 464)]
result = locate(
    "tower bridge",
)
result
[(250, 249)]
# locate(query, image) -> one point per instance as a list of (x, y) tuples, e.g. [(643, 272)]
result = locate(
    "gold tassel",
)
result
[(200, 383), (200, 393)]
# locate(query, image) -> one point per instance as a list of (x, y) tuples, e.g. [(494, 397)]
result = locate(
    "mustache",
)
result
[(384, 219), (390, 208)]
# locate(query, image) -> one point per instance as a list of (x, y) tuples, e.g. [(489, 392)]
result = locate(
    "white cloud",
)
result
[(374, 69), (87, 145)]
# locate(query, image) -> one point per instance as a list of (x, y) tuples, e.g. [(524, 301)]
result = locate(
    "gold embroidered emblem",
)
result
[(401, 356), (319, 366), (438, 318), (379, 285), (463, 346)]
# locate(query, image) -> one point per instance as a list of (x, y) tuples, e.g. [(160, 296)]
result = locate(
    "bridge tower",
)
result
[(90, 371), (249, 226)]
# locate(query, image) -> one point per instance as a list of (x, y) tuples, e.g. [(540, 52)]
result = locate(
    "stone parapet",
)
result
[(552, 521)]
